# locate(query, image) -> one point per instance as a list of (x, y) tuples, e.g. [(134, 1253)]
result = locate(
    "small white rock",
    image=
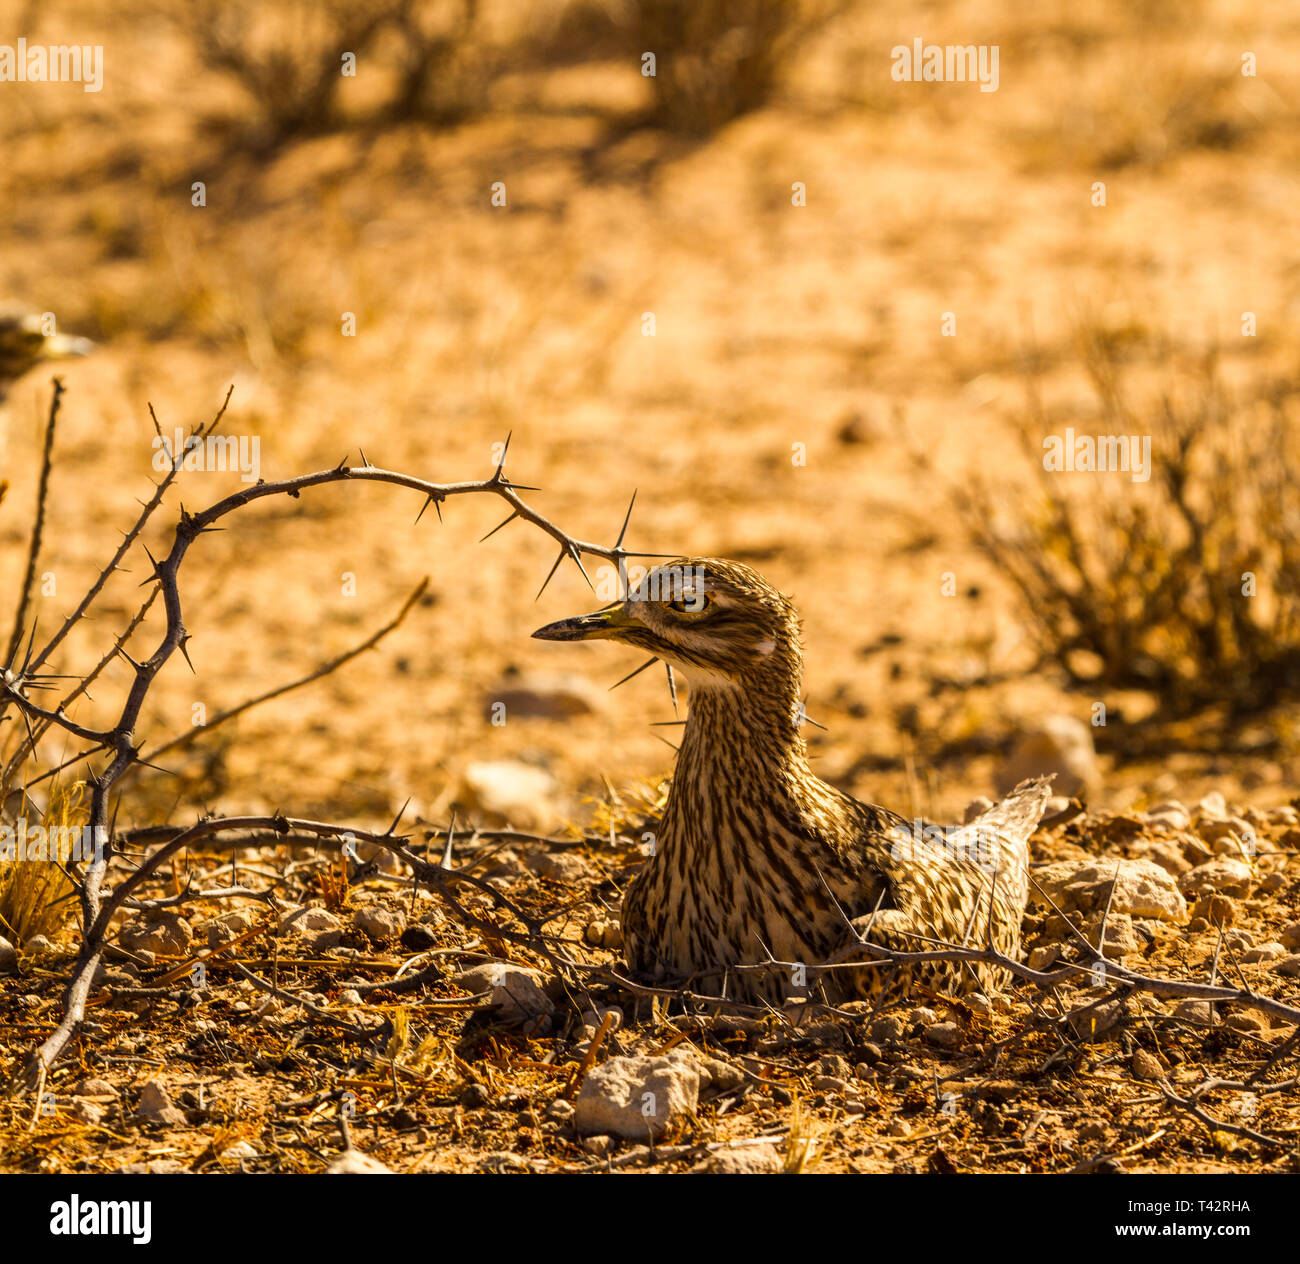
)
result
[(636, 1097), (379, 923), (517, 992), (156, 1106), (354, 1163), (1060, 744), (165, 933), (520, 793)]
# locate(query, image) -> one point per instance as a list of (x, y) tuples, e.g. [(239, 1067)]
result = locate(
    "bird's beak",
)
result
[(64, 346), (608, 624)]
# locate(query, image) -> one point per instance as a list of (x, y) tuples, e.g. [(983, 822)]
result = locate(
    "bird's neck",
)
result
[(742, 752)]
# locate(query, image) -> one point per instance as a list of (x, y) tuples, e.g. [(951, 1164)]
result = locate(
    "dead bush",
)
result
[(718, 59), (1186, 585)]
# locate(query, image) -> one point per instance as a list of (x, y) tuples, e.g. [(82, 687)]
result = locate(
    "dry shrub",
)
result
[(36, 896), (718, 59), (288, 58), (1186, 586)]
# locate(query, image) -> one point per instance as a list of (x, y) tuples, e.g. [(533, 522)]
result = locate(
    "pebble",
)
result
[(1289, 935), (354, 1163), (1168, 856), (946, 1035), (522, 794), (1171, 814), (94, 1088), (750, 1160), (1217, 909), (1141, 888), (1121, 937), (418, 938), (543, 695), (830, 1084), (595, 1016), (1223, 874), (8, 957), (888, 1028), (379, 923), (165, 933), (1213, 806), (1289, 966), (1090, 1021), (517, 992), (1060, 744), (1265, 952), (559, 866), (157, 1107), (1201, 1012), (1146, 1066), (241, 1151), (87, 1112), (636, 1096), (318, 928)]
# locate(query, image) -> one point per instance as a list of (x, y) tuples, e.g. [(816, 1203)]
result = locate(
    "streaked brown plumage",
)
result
[(756, 855)]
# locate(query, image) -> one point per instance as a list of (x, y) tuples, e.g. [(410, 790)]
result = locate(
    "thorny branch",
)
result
[(20, 678)]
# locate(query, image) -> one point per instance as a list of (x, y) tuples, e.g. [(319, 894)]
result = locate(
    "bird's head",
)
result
[(25, 340), (721, 623)]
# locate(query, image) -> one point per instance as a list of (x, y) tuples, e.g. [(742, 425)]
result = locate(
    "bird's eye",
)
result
[(691, 603)]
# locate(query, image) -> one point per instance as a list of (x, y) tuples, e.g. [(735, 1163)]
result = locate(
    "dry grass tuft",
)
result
[(801, 1147), (36, 896)]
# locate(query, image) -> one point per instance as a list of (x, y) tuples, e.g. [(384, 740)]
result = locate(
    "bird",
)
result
[(26, 338), (761, 873)]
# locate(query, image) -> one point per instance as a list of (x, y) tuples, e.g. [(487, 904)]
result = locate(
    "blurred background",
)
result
[(799, 406)]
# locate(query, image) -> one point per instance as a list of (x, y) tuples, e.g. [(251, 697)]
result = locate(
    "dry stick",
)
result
[(128, 538), (1216, 1125), (589, 1057), (38, 528), (28, 745)]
